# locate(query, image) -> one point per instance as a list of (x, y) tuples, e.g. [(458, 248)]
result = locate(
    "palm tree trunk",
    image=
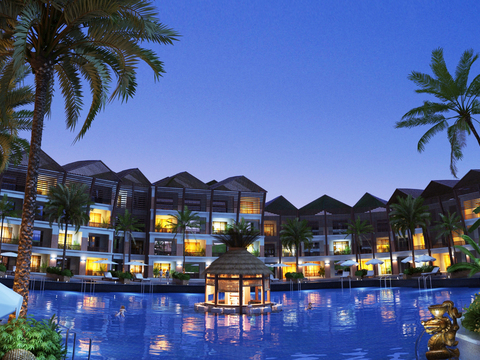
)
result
[(65, 246), (473, 130), (124, 245), (297, 246), (1, 235), (22, 273), (450, 243), (413, 247), (183, 264)]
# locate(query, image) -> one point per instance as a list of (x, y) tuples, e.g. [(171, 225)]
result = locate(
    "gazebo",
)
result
[(231, 278)]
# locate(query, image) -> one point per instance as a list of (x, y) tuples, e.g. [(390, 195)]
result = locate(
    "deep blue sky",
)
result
[(299, 96)]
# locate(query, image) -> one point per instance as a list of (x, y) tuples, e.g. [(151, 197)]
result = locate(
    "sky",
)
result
[(299, 96)]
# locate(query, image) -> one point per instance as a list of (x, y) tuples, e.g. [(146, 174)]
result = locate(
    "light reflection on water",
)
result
[(342, 324)]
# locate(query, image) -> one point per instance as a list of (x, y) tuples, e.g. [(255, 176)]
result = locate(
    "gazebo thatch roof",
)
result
[(238, 261)]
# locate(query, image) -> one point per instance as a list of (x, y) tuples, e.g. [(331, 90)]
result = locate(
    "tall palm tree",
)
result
[(185, 220), (97, 41), (128, 224), (357, 229), (448, 225), (238, 235), (295, 232), (458, 104), (6, 210), (68, 205), (12, 121), (407, 214)]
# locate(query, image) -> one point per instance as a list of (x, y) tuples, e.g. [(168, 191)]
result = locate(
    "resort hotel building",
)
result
[(219, 204)]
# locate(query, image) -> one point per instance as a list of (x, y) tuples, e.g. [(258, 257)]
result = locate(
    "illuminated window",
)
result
[(95, 219), (61, 239), (469, 206), (249, 205), (269, 229), (383, 245), (165, 224), (418, 242), (341, 247), (218, 226)]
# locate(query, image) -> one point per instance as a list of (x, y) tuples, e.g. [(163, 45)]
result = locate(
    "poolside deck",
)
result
[(79, 284)]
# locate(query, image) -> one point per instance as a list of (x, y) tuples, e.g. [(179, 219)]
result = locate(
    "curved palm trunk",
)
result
[(123, 252), (413, 246), (65, 246), (297, 246), (184, 247), (1, 234), (450, 244), (129, 251), (22, 273), (473, 130)]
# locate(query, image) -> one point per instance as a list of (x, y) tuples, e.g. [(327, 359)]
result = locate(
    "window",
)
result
[(218, 226), (382, 225), (339, 226), (469, 206), (95, 219), (61, 239), (269, 229), (122, 199), (165, 203), (37, 237), (9, 182), (383, 245), (249, 205), (193, 204), (341, 247), (219, 206)]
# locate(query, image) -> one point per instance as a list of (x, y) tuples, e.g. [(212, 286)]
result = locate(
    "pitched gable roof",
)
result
[(281, 206), (133, 176), (325, 203), (404, 193), (182, 180), (94, 168), (237, 183), (46, 162), (369, 202), (439, 188)]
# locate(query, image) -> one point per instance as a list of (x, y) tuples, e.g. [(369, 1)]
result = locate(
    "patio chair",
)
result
[(370, 273), (435, 271), (273, 279), (345, 274), (139, 277), (108, 277)]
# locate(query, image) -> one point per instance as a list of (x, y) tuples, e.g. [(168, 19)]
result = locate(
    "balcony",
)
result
[(162, 252), (419, 247), (195, 253), (8, 240), (71, 246), (97, 248)]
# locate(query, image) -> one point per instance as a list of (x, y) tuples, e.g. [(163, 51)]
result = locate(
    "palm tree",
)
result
[(357, 229), (295, 232), (128, 224), (6, 210), (185, 220), (238, 235), (406, 215), (458, 103), (448, 225), (12, 121), (474, 265), (68, 205), (97, 41)]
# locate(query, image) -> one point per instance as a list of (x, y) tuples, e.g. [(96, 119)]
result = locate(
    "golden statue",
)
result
[(443, 331)]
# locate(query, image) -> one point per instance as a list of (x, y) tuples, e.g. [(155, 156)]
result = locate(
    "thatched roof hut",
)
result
[(238, 261), (230, 279)]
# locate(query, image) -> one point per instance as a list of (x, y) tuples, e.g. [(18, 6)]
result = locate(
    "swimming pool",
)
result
[(364, 323)]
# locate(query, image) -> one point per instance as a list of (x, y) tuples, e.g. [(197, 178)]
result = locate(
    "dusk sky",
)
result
[(299, 96)]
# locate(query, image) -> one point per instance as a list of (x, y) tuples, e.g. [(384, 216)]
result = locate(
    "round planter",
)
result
[(458, 274), (468, 343), (2, 274), (180, 282), (125, 281)]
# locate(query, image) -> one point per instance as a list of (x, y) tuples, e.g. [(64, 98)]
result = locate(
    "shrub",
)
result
[(3, 268), (321, 272), (418, 270), (471, 317), (124, 275), (54, 270), (361, 272), (294, 275), (41, 338), (180, 276), (67, 272)]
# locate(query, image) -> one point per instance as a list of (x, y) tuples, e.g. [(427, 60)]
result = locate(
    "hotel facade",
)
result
[(219, 204)]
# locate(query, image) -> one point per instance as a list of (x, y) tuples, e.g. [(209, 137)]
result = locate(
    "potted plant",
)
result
[(469, 334), (361, 273), (294, 276), (125, 277), (156, 272), (58, 274), (321, 272), (3, 270), (180, 278)]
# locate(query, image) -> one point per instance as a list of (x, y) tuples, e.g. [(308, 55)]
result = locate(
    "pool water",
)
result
[(365, 323)]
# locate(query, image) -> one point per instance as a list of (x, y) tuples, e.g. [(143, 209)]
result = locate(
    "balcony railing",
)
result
[(217, 254), (194, 253), (162, 252), (10, 240), (419, 247), (71, 246), (459, 242), (97, 248), (164, 230)]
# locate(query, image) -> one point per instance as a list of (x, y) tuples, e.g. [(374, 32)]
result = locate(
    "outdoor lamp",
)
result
[(53, 256)]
